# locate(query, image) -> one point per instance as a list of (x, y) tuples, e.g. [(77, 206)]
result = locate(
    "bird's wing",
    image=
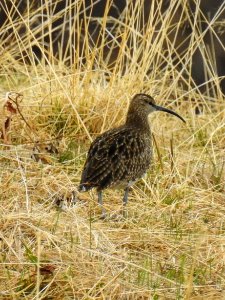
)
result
[(113, 157)]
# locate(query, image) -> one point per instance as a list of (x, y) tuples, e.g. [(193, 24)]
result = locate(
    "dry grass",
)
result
[(172, 245)]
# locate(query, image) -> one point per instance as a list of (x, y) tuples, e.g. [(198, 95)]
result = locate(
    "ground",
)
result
[(53, 243)]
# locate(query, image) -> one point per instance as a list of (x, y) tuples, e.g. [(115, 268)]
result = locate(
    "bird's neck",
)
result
[(138, 120)]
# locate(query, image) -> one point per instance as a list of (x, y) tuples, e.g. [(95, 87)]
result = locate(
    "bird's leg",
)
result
[(100, 202), (125, 199)]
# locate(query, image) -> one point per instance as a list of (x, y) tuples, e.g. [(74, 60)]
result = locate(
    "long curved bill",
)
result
[(160, 108)]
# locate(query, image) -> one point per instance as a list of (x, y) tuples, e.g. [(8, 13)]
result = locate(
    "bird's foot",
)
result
[(118, 216), (103, 216)]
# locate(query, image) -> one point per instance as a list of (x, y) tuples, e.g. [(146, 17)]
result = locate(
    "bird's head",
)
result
[(145, 104)]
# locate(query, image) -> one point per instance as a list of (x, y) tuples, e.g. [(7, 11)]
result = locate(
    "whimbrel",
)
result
[(121, 156)]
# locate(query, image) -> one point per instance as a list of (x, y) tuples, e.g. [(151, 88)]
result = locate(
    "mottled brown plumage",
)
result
[(120, 156)]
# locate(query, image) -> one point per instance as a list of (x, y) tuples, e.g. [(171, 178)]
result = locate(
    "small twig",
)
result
[(19, 111), (24, 179), (172, 165), (158, 153), (21, 115)]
